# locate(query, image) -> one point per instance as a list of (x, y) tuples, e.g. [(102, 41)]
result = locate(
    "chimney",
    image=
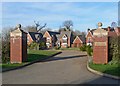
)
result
[(108, 28)]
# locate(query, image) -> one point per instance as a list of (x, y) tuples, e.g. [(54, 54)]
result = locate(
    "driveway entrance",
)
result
[(69, 67)]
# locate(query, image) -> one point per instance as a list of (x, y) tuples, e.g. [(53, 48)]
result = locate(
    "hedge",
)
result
[(114, 50)]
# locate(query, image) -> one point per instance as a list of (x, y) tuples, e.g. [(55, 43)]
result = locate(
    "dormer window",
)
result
[(48, 40), (64, 37)]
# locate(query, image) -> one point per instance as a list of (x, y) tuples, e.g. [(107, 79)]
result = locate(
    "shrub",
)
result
[(37, 46), (5, 41), (33, 46), (5, 52), (68, 47), (57, 47), (83, 48), (114, 48), (89, 50), (42, 45)]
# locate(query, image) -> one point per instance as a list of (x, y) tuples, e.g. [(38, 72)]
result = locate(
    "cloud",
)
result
[(83, 15), (60, 0)]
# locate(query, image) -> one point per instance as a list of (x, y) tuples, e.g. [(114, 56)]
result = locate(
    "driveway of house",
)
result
[(69, 67)]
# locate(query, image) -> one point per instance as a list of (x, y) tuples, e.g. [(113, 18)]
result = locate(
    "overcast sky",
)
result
[(83, 14)]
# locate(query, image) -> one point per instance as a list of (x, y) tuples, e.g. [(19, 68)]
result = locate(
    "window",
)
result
[(64, 44), (64, 39), (48, 40), (89, 39)]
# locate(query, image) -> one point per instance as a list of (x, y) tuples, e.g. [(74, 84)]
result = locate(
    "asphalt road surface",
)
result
[(69, 67)]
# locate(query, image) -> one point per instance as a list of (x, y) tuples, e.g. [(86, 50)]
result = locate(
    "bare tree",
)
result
[(39, 26), (68, 24), (6, 44), (30, 29), (61, 29), (46, 29)]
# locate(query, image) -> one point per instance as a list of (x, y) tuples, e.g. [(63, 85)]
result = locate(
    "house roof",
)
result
[(117, 30), (82, 38), (53, 33), (111, 29), (92, 30), (35, 35), (67, 33), (58, 36), (112, 33)]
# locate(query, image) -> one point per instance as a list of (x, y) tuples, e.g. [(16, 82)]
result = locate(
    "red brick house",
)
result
[(65, 39), (34, 37), (51, 38), (89, 37), (78, 41)]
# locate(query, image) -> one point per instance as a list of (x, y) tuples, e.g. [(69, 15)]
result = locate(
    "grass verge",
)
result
[(113, 69), (39, 54), (69, 48), (32, 56), (11, 65)]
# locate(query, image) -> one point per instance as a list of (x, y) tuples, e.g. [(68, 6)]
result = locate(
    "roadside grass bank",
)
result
[(70, 49), (39, 54), (33, 55), (113, 69), (8, 65)]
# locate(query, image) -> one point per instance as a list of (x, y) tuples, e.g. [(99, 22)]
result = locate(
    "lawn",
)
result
[(32, 56), (113, 69), (39, 54), (69, 48), (11, 65)]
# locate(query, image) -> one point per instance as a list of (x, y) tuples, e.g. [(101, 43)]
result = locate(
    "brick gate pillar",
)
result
[(100, 50), (18, 45), (100, 46)]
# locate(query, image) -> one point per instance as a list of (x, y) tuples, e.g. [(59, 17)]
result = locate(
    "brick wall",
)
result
[(89, 36), (77, 43), (18, 48), (46, 35), (100, 50), (68, 43)]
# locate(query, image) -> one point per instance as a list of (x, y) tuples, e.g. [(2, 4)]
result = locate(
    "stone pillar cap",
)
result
[(100, 24)]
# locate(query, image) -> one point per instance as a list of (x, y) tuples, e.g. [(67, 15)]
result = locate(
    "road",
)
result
[(69, 67)]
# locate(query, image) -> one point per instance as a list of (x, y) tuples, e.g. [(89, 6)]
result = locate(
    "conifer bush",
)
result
[(83, 48), (89, 50), (114, 50)]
